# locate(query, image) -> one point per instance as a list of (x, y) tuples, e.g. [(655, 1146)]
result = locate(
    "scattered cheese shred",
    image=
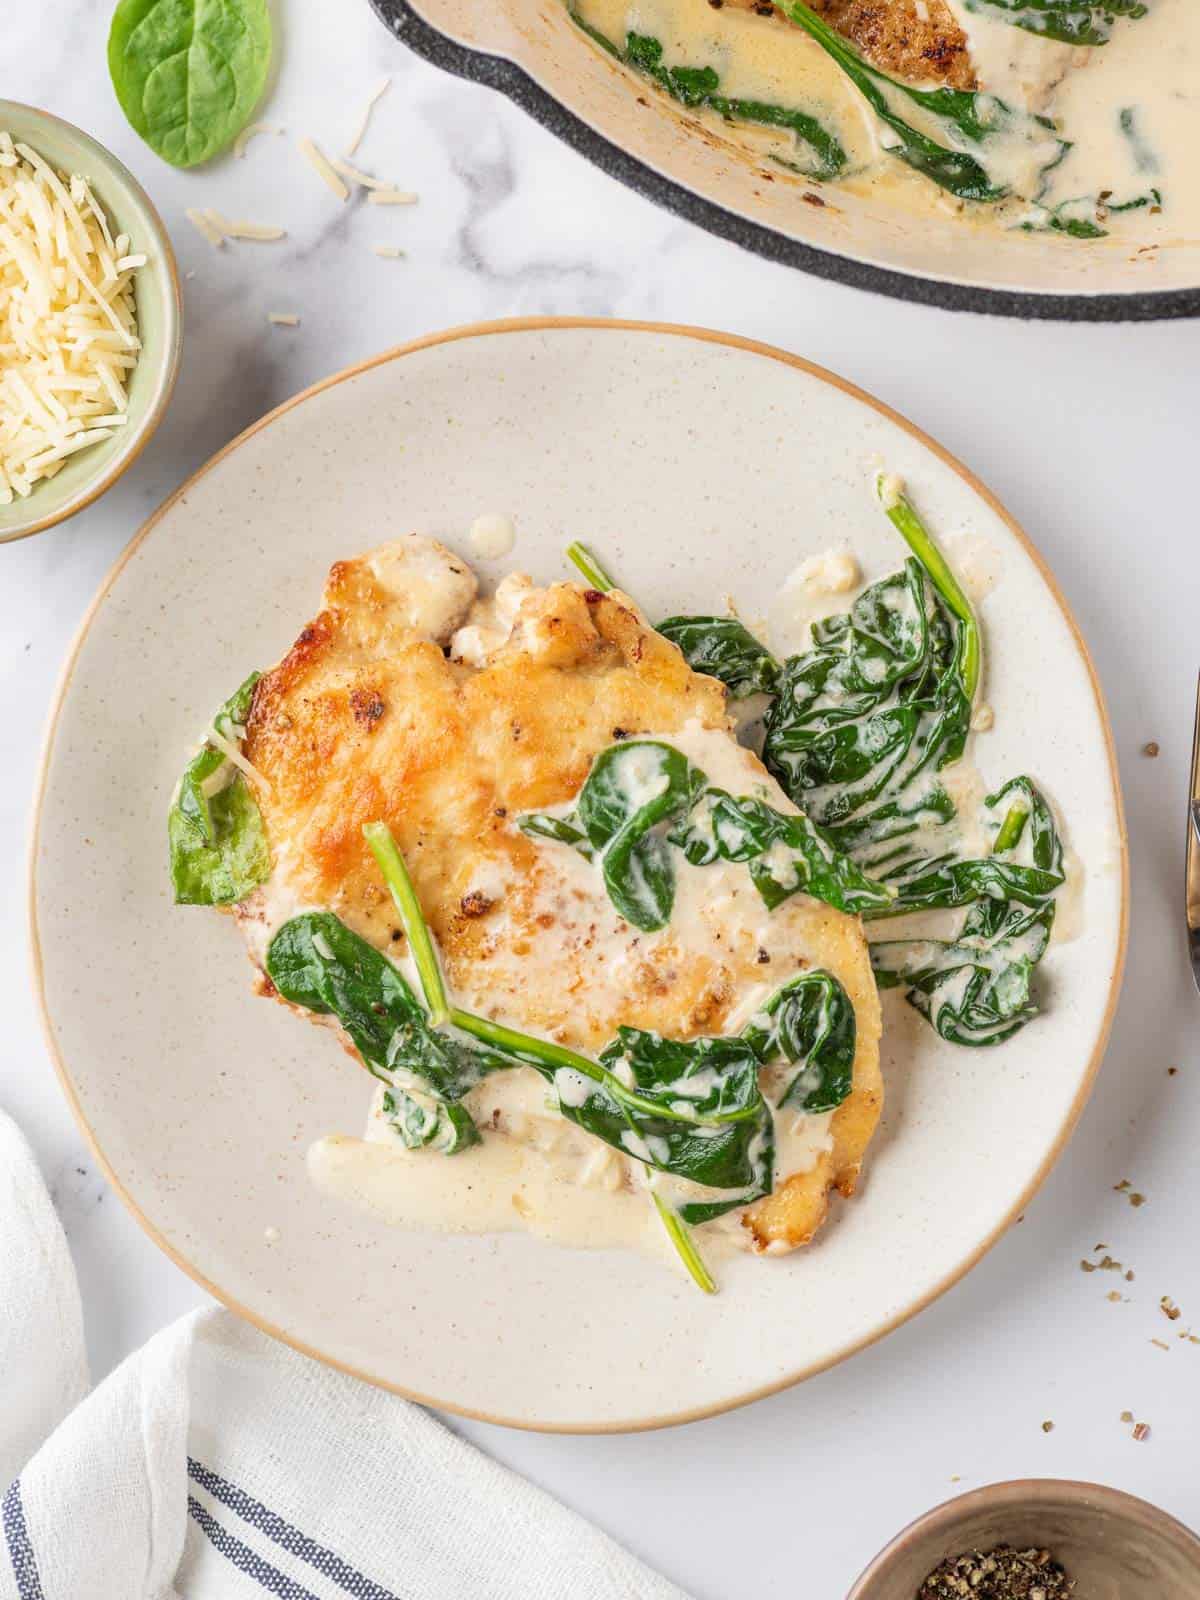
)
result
[(202, 222), (356, 175), (248, 133), (283, 319), (244, 230), (68, 320), (379, 90), (231, 753), (391, 197), (387, 250), (322, 168)]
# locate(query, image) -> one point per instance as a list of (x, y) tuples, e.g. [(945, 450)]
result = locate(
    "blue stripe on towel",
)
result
[(20, 1548), (286, 1536), (244, 1559)]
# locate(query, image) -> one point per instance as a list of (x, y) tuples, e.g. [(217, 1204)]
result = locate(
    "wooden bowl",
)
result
[(1114, 1545)]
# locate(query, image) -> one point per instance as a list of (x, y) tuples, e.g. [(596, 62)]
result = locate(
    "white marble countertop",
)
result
[(1087, 434)]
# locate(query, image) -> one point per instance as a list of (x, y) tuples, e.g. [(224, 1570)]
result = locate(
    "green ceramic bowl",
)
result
[(159, 310)]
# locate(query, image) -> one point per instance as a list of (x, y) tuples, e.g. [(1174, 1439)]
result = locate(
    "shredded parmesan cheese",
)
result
[(248, 133), (356, 175), (388, 250), (391, 197), (283, 319), (379, 90), (244, 230), (68, 320), (231, 753), (203, 223), (322, 168)]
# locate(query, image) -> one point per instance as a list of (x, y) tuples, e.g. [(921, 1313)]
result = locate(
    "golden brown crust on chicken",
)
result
[(917, 40), (368, 718)]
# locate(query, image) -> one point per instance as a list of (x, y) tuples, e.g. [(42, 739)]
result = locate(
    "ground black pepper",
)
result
[(1001, 1574)]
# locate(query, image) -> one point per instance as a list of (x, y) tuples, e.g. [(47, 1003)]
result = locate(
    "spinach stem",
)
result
[(541, 1052), (920, 541), (1011, 829), (391, 863), (681, 1238), (590, 567)]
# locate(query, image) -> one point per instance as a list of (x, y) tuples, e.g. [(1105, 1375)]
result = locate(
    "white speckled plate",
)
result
[(699, 467)]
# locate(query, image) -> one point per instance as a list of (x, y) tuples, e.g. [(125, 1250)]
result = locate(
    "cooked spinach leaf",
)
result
[(975, 988), (956, 156), (725, 649), (785, 853), (1081, 22), (631, 788), (188, 73), (699, 88), (1081, 218), (866, 719), (810, 1024), (218, 846), (642, 797), (864, 725), (316, 961), (424, 1123)]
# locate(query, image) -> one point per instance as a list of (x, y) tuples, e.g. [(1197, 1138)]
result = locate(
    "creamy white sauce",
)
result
[(820, 586), (976, 563), (492, 536), (1148, 72)]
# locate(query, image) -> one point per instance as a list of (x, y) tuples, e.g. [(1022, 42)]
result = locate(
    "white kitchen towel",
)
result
[(216, 1464)]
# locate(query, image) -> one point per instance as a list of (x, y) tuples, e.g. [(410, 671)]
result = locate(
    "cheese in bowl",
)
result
[(608, 963), (68, 320)]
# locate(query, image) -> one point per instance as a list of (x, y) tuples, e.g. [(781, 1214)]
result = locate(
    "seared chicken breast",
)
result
[(919, 41), (409, 700)]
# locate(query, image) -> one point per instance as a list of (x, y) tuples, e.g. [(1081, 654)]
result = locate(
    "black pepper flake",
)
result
[(1000, 1574)]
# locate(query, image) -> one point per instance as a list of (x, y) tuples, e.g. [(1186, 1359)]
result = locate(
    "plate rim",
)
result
[(499, 328), (406, 23)]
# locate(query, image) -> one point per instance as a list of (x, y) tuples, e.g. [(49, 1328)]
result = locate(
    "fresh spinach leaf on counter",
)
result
[(188, 73), (725, 649), (642, 797), (810, 1024), (1080, 22), (964, 120), (699, 87), (218, 846)]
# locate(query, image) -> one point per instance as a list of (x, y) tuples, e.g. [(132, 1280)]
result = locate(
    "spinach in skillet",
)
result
[(188, 73), (642, 799), (686, 1109), (942, 133), (700, 88), (218, 847), (1080, 22)]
